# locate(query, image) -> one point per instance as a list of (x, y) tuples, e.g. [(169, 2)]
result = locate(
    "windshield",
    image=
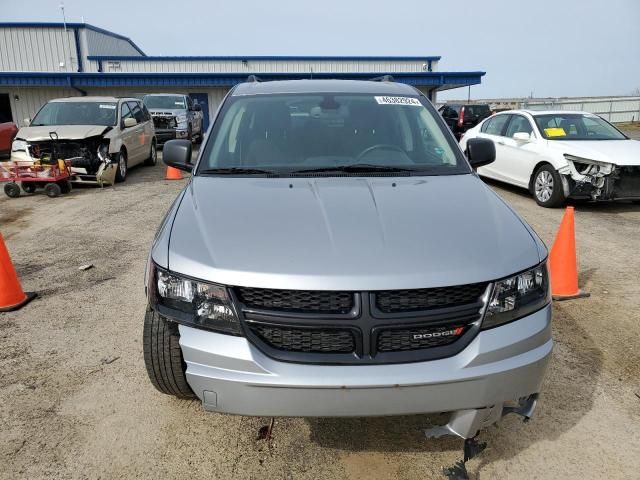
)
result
[(76, 113), (576, 126), (165, 102), (329, 134)]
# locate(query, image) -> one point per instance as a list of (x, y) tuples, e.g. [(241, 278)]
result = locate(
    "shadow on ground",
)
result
[(567, 396)]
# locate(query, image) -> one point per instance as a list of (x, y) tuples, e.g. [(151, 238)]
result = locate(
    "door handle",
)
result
[(500, 143)]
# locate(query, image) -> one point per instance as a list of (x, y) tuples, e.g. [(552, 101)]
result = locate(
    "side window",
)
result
[(495, 125), (125, 111), (517, 124), (189, 103), (136, 111)]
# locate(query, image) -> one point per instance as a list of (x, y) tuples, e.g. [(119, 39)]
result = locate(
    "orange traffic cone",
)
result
[(11, 295), (173, 174), (563, 261)]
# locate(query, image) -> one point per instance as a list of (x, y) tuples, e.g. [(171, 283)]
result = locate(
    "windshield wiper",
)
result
[(354, 168), (237, 170)]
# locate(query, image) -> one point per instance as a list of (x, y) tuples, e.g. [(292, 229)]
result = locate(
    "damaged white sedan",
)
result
[(560, 154), (100, 137)]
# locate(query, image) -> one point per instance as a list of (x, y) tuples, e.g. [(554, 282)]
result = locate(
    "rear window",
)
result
[(478, 110)]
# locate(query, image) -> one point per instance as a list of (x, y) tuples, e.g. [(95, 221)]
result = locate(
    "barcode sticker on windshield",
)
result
[(398, 101), (110, 107)]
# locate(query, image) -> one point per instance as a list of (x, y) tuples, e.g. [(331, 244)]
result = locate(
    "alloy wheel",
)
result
[(544, 186)]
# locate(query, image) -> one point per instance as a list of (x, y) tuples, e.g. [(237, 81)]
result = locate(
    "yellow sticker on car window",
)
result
[(555, 132)]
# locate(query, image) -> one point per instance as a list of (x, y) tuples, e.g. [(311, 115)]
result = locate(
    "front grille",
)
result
[(164, 122), (320, 340), (397, 301), (302, 301), (396, 340)]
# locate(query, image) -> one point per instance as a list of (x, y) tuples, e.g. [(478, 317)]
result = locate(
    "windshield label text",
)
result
[(398, 101)]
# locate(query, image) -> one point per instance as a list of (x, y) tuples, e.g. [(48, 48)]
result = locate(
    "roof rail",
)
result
[(383, 78), (253, 78)]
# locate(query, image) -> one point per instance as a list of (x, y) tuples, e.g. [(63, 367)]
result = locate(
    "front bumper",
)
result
[(500, 365), (163, 135), (622, 184)]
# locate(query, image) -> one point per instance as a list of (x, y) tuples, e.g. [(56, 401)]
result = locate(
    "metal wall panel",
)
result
[(98, 43), (37, 50), (259, 66)]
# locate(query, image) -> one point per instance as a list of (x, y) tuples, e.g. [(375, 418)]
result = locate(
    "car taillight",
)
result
[(461, 117)]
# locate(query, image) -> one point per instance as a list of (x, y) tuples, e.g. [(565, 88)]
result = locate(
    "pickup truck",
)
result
[(175, 115)]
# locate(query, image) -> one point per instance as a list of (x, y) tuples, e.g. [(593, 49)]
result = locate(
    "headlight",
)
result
[(194, 303), (518, 296), (586, 166), (182, 118), (18, 146), (103, 153)]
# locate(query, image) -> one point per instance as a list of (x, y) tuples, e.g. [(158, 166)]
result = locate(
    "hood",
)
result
[(65, 132), (619, 152), (167, 111), (347, 233)]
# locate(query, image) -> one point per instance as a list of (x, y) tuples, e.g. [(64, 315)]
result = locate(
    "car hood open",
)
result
[(64, 132), (347, 233), (619, 152)]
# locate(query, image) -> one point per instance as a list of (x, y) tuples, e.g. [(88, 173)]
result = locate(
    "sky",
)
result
[(540, 47)]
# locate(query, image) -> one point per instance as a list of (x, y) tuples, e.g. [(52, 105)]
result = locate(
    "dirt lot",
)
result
[(76, 402)]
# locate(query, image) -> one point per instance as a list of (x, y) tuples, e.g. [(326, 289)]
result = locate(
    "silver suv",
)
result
[(334, 254)]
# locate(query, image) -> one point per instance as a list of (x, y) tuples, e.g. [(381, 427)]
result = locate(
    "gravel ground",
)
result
[(77, 402)]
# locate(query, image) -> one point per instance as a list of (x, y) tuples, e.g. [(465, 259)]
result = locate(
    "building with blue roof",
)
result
[(41, 61)]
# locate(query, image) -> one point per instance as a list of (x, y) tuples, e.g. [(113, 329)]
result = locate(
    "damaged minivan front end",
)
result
[(85, 148)]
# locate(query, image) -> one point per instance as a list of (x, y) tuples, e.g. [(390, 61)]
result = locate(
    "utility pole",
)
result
[(65, 44), (469, 95)]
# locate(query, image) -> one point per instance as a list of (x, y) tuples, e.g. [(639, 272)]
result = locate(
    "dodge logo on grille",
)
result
[(445, 333)]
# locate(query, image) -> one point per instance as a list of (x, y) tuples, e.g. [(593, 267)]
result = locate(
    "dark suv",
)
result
[(461, 118)]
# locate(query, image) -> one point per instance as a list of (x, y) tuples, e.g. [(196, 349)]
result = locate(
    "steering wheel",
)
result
[(381, 146)]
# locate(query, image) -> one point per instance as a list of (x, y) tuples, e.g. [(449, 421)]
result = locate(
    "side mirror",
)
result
[(129, 122), (482, 152), (522, 137), (27, 121), (197, 107), (177, 154)]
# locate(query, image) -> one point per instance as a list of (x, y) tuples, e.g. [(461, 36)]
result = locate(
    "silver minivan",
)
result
[(335, 254)]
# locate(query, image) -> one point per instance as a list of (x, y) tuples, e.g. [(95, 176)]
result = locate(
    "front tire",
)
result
[(122, 167), (163, 357), (546, 187)]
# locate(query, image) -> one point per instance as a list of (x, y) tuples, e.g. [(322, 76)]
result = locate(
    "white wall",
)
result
[(195, 65), (37, 50), (25, 102)]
